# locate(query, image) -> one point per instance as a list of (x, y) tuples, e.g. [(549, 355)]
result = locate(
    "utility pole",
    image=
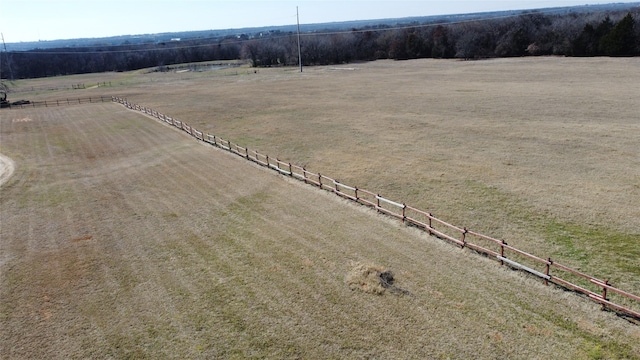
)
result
[(299, 51), (9, 62)]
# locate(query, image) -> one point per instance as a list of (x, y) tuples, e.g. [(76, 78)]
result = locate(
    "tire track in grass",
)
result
[(78, 252), (141, 205), (81, 254), (98, 237), (33, 303), (125, 273), (141, 269), (7, 167), (195, 174), (242, 245), (202, 246), (56, 241), (195, 247)]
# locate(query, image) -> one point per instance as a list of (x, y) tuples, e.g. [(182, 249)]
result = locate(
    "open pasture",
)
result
[(122, 237), (541, 152)]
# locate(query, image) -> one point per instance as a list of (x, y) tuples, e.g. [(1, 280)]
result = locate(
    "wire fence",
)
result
[(21, 104), (78, 86), (601, 291)]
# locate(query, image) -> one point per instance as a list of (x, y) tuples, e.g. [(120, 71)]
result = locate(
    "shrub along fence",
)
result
[(598, 290)]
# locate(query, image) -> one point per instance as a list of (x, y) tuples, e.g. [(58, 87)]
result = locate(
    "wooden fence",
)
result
[(51, 103), (601, 291)]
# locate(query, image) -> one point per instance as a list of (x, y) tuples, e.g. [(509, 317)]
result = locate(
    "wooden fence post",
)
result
[(546, 271), (464, 234), (404, 209)]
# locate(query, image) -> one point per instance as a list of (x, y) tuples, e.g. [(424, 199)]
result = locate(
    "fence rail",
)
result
[(61, 102), (610, 297)]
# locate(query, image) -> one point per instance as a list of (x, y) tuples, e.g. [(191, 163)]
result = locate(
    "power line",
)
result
[(230, 41), (299, 49)]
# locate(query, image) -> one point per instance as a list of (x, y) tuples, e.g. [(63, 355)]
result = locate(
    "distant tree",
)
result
[(564, 31), (311, 50), (621, 40), (415, 45), (365, 45), (588, 43), (442, 48), (381, 44), (397, 46), (341, 48), (274, 54), (474, 40), (514, 42), (467, 46), (227, 49), (250, 50)]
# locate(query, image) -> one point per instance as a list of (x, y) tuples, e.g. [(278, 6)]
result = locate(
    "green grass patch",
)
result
[(599, 251), (588, 244)]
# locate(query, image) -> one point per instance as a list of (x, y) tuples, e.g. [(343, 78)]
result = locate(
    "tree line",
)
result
[(528, 34), (66, 61)]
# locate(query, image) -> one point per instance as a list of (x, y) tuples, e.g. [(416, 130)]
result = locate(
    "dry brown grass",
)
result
[(541, 152), (123, 238), (369, 278)]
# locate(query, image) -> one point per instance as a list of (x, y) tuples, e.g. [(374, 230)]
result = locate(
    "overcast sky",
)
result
[(33, 20)]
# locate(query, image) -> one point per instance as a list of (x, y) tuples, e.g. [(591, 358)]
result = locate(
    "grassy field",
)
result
[(541, 152), (123, 238)]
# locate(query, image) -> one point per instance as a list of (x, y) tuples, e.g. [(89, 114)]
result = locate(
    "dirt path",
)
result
[(7, 167)]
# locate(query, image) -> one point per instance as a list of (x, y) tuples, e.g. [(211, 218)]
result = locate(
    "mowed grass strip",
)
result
[(124, 238)]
